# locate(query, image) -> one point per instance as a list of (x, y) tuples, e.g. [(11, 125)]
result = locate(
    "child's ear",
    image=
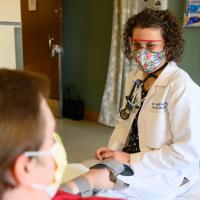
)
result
[(23, 170)]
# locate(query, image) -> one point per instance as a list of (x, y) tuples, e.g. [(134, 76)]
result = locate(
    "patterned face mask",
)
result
[(148, 61)]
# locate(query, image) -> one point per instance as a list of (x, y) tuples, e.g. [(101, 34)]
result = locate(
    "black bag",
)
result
[(73, 107)]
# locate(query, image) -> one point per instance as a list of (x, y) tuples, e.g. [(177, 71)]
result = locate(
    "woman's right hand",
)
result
[(101, 151)]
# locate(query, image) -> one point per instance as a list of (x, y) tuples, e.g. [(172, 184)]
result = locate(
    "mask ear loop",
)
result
[(130, 43), (41, 153)]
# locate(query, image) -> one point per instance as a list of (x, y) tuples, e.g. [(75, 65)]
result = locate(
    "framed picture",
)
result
[(154, 4), (192, 13), (32, 5)]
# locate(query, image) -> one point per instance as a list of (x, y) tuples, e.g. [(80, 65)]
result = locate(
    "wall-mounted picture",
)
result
[(154, 4), (192, 13)]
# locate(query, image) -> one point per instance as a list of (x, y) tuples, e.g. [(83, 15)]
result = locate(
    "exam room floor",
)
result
[(82, 138)]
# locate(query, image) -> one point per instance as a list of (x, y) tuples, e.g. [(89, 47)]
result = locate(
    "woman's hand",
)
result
[(101, 151), (116, 155), (104, 152)]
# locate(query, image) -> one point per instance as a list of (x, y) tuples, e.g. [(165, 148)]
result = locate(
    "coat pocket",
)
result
[(156, 129)]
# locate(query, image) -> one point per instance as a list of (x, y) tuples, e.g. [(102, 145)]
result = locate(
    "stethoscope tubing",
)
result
[(124, 113)]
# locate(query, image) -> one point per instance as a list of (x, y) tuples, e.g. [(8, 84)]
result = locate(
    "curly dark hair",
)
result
[(164, 19)]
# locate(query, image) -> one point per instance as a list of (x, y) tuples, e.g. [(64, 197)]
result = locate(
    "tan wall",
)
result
[(10, 16), (7, 47), (10, 11)]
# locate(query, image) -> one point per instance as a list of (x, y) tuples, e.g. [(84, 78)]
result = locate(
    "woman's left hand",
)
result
[(116, 155)]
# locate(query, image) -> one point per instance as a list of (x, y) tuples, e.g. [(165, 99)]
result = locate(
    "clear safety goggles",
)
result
[(154, 46)]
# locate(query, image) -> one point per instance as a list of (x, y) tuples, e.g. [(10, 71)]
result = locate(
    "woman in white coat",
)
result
[(158, 131)]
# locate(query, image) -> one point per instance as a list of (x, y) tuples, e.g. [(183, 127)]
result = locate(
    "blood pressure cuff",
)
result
[(115, 167)]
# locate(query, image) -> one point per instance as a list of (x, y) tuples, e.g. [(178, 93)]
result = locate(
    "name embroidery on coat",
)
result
[(159, 106)]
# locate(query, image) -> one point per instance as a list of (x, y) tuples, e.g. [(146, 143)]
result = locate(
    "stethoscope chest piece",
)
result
[(124, 114)]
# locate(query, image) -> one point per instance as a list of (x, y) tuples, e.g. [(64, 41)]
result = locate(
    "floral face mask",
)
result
[(148, 61)]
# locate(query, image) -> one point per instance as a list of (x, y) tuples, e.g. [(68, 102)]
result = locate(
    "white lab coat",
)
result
[(169, 136)]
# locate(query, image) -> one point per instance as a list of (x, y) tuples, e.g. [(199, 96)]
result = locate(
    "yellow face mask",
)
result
[(60, 157), (59, 154)]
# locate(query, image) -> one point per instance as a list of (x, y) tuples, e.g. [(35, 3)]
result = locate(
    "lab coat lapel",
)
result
[(162, 80)]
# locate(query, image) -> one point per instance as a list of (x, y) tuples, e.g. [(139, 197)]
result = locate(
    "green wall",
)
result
[(191, 56), (87, 38)]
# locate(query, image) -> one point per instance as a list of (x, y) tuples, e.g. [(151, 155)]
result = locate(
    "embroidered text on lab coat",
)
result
[(159, 106)]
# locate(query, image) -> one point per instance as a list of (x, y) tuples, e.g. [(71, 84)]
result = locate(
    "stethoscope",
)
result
[(132, 102)]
